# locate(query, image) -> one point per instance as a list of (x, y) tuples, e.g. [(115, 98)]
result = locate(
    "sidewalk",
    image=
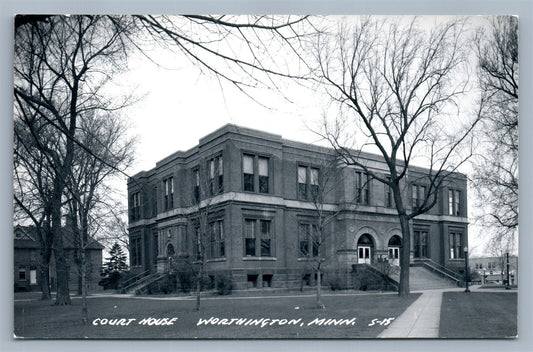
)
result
[(422, 318)]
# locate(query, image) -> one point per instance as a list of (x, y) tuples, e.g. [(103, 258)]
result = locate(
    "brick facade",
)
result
[(257, 184), (27, 261)]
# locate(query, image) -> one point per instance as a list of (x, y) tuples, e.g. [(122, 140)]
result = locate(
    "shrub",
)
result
[(186, 280), (335, 283), (223, 284)]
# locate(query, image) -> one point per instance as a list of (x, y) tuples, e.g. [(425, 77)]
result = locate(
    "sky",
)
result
[(178, 105)]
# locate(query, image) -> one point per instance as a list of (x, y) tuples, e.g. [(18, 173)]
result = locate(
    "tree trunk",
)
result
[(198, 287), (405, 256), (45, 253), (63, 296), (84, 314), (83, 233), (44, 274), (319, 289)]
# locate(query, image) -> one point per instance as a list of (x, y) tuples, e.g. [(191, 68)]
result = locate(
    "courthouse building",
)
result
[(257, 191)]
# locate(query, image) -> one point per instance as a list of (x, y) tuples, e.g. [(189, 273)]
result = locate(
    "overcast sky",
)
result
[(178, 106)]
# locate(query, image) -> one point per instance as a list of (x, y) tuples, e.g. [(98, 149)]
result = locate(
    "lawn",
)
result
[(37, 319), (478, 315)]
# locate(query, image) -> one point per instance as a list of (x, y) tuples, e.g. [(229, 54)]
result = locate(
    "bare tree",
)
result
[(62, 62), (110, 151), (496, 169), (33, 178), (316, 245), (208, 238), (396, 87)]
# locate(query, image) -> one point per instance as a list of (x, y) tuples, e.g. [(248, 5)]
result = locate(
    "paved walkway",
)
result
[(422, 318)]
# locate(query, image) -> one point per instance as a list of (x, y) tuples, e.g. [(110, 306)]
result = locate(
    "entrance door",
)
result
[(394, 255), (364, 255)]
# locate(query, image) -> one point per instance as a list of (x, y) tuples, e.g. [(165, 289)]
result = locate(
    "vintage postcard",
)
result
[(265, 177)]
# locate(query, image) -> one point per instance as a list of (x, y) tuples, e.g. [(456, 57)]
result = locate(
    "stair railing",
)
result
[(442, 270), (133, 280)]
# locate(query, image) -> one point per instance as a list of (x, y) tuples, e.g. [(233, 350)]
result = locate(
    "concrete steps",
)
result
[(421, 278)]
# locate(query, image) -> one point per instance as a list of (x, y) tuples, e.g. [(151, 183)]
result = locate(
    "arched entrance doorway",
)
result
[(365, 244), (394, 245)]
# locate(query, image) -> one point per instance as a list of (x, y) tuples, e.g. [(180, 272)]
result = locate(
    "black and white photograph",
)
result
[(209, 176)]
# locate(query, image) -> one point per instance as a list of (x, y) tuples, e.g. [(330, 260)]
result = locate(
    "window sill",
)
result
[(309, 259), (214, 260), (250, 258)]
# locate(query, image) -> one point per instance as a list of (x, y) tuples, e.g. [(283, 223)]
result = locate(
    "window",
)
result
[(252, 280), (491, 265), (267, 280), (308, 181), (388, 194), (456, 245), (308, 240), (168, 186), (252, 165), (135, 252), (249, 237), (302, 182), (362, 185), (197, 243), (421, 244), (248, 172), (155, 247), (211, 182), (220, 173), (135, 205), (211, 253), (216, 175), (216, 246), (419, 194), (22, 274), (258, 238), (220, 239), (314, 182), (263, 175), (265, 239), (454, 202), (196, 185), (154, 201)]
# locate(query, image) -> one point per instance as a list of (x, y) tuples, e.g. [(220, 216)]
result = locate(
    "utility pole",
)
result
[(507, 287), (466, 268)]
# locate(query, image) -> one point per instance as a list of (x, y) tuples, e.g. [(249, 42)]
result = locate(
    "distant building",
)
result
[(260, 189), (27, 261), (494, 269)]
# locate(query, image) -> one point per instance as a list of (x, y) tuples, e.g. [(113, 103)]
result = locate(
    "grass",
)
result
[(478, 315), (38, 319)]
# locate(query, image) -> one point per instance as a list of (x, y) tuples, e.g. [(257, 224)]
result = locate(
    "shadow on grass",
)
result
[(228, 318)]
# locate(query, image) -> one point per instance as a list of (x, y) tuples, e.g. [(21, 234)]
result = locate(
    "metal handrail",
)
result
[(145, 280), (443, 270), (135, 278)]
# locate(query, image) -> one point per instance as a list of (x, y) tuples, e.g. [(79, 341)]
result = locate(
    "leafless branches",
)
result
[(496, 169), (397, 88)]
